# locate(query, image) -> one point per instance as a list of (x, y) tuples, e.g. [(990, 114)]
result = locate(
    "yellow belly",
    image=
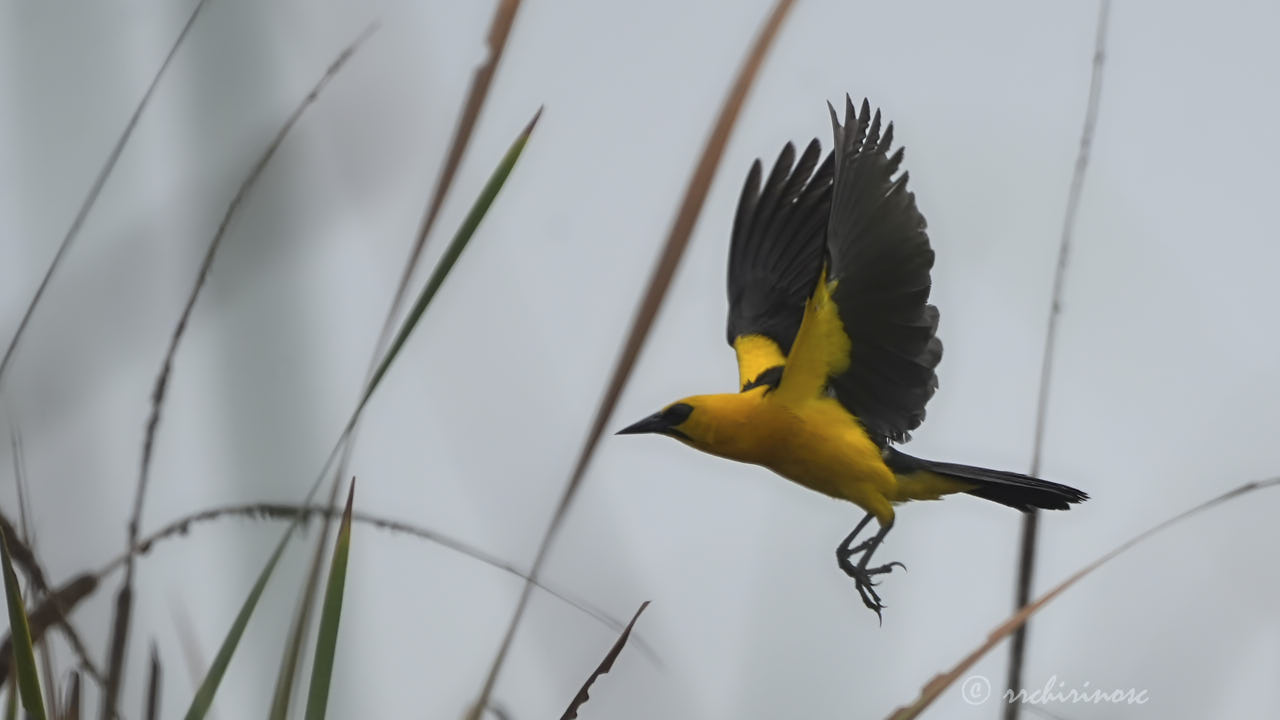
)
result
[(820, 446)]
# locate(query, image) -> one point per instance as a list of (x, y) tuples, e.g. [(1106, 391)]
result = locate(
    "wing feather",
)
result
[(869, 332), (775, 257)]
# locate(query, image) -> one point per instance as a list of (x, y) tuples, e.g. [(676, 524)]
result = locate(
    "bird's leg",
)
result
[(844, 551), (861, 574)]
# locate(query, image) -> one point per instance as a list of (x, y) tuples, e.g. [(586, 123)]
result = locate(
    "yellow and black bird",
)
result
[(836, 342)]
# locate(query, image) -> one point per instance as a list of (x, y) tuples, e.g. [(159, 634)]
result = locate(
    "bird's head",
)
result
[(707, 422), (670, 420)]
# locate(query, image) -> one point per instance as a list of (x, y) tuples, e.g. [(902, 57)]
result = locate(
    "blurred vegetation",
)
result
[(52, 607)]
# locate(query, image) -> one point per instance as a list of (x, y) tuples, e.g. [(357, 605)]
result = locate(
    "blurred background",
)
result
[(1164, 392)]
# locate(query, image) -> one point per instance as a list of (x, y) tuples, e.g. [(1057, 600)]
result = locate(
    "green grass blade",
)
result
[(204, 695), (504, 17), (451, 254), (11, 704), (330, 615), (289, 663), (24, 658)]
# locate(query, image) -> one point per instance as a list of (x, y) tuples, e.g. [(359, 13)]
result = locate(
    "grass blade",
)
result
[(153, 685), (204, 695), (51, 610), (942, 681), (330, 616), (65, 598), (28, 683), (94, 190), (451, 255), (672, 252), (605, 666), (115, 655), (27, 533), (1031, 520), (480, 207), (22, 555), (286, 676), (499, 29)]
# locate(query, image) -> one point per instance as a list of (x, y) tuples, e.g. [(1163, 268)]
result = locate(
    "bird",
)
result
[(836, 343)]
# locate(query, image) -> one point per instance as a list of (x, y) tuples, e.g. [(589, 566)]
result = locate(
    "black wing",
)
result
[(880, 259), (775, 257)]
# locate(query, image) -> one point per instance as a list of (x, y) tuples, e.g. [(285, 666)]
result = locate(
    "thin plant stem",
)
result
[(95, 189), (1031, 520)]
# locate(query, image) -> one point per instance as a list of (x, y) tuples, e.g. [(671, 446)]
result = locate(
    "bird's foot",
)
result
[(865, 584)]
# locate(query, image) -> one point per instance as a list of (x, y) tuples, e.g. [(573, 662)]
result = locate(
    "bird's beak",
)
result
[(652, 424)]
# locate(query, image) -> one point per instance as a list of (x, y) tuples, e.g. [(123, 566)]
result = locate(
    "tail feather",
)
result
[(1018, 491)]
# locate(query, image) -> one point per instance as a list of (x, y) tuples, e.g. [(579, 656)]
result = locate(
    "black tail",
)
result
[(1020, 492)]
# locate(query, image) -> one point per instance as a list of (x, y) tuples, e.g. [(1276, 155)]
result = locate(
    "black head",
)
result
[(665, 422)]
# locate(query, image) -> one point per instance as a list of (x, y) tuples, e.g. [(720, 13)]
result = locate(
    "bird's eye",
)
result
[(677, 413)]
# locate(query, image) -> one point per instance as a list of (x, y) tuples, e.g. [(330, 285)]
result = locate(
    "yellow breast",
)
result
[(820, 446)]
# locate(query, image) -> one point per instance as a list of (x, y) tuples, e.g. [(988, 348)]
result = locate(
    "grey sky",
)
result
[(1165, 392)]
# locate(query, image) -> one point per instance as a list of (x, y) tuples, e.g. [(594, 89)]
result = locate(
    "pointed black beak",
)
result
[(655, 423)]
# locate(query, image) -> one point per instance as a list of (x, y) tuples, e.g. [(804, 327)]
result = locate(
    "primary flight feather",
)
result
[(836, 341)]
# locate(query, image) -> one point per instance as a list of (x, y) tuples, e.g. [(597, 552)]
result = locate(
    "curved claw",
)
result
[(865, 584), (872, 601), (869, 597), (886, 568)]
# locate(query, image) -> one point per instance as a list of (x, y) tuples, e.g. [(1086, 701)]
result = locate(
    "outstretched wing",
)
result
[(775, 257), (868, 333)]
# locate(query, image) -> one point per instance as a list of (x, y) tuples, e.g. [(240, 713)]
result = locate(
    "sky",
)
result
[(1163, 392)]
